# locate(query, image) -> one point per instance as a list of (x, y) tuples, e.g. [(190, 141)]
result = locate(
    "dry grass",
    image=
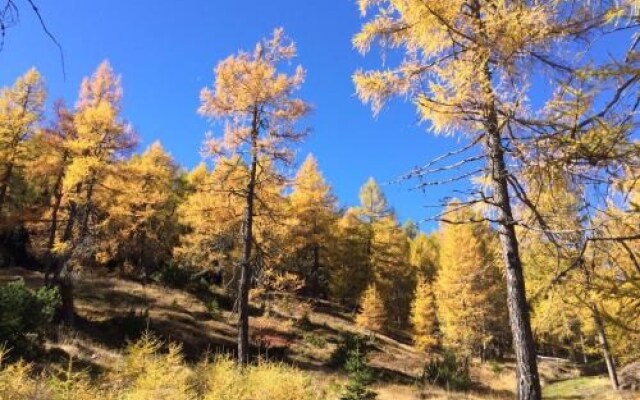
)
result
[(146, 372), (99, 347)]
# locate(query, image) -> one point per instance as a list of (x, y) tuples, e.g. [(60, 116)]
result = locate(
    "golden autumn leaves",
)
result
[(248, 86)]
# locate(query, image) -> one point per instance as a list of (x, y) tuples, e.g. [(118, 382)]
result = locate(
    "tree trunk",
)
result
[(528, 380), (64, 280), (244, 283), (63, 275), (604, 345), (57, 201), (585, 360), (315, 270), (523, 342)]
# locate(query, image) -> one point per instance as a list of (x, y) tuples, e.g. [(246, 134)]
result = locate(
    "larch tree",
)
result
[(21, 108), (312, 209), (468, 65), (387, 253), (102, 138), (349, 271), (372, 315), (467, 286), (573, 272), (140, 228), (373, 207), (424, 317), (373, 203), (391, 271), (423, 255), (46, 172), (260, 114), (212, 215)]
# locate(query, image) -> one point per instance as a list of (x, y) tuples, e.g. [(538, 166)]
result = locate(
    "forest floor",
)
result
[(112, 312)]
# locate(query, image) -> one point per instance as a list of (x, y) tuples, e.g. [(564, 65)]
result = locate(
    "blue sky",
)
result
[(166, 51)]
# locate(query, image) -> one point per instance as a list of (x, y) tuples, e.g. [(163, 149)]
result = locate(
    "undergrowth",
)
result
[(150, 370)]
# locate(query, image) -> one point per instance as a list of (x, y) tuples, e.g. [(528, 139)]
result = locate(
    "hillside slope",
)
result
[(112, 312)]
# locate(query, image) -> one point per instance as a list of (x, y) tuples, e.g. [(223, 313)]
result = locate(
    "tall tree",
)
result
[(467, 68), (102, 138), (47, 171), (140, 228), (258, 105), (571, 272), (350, 271), (391, 271), (373, 207), (373, 314), (424, 317), (313, 217), (387, 253), (21, 108), (212, 215), (468, 286), (423, 255), (373, 203)]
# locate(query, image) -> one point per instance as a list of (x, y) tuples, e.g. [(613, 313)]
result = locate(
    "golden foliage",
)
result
[(373, 315), (249, 90), (468, 287), (148, 372), (424, 317)]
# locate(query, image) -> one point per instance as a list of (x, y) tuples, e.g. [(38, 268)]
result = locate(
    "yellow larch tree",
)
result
[(312, 209), (48, 170), (140, 229), (257, 105), (21, 108), (581, 277), (349, 269), (373, 207), (423, 255), (424, 317), (212, 216), (468, 67), (102, 138), (391, 271), (468, 286), (372, 315)]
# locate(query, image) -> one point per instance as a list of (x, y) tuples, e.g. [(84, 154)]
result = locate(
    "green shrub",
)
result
[(25, 315), (348, 343), (448, 371), (213, 307), (496, 367), (360, 377), (314, 340)]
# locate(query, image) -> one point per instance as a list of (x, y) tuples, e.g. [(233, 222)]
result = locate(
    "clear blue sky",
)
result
[(166, 51)]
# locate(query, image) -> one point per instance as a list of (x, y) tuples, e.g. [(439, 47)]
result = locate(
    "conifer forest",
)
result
[(238, 271)]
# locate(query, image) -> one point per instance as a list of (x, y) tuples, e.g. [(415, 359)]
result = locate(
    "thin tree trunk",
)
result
[(585, 360), (528, 380), (315, 270), (63, 275), (244, 283), (57, 201), (65, 284), (523, 342), (604, 345)]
